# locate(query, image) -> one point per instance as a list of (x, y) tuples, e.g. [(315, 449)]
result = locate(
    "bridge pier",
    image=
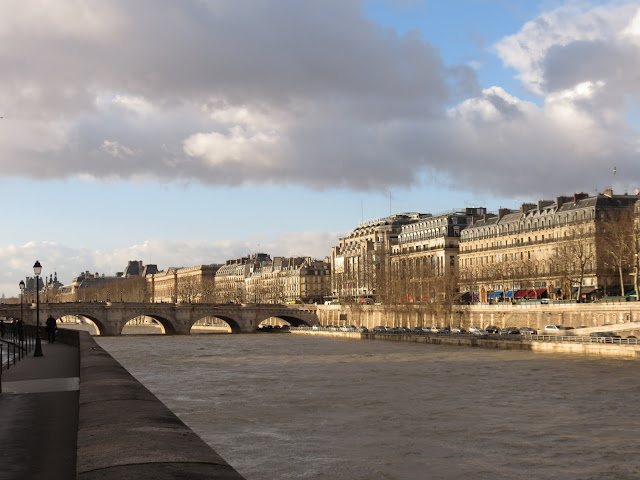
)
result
[(183, 320)]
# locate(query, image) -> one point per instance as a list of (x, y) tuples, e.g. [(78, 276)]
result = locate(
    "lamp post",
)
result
[(21, 285), (37, 269), (635, 275)]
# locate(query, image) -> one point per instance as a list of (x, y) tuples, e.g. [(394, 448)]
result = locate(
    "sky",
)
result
[(190, 132)]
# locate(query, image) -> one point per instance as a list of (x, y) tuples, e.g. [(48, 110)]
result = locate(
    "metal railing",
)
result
[(13, 348), (583, 339)]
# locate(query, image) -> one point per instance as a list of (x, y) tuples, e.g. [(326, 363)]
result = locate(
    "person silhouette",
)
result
[(20, 330), (51, 329)]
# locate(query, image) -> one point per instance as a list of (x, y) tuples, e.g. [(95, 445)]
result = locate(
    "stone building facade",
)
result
[(550, 249), (261, 279), (186, 284), (428, 249), (361, 262)]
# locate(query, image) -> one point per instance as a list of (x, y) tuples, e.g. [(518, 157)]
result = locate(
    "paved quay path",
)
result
[(39, 415)]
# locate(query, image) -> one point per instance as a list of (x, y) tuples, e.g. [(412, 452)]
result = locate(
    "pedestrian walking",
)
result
[(20, 330), (51, 329)]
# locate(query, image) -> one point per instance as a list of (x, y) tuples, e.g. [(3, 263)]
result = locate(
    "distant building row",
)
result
[(253, 279), (562, 248)]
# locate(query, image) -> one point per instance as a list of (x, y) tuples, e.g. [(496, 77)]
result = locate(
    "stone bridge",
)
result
[(176, 318)]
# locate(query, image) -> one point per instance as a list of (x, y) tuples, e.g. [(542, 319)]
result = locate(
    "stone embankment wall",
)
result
[(598, 349), (534, 315), (124, 431)]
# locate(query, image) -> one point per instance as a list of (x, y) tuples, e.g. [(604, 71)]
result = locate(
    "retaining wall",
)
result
[(125, 432), (532, 315), (599, 349)]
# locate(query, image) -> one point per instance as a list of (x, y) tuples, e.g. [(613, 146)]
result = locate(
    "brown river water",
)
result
[(285, 406)]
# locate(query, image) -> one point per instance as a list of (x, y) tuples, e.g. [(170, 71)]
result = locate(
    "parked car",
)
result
[(379, 329), (480, 332), (553, 328), (492, 329), (509, 331), (457, 330), (439, 330), (527, 331), (604, 336), (416, 330), (473, 329), (363, 329), (317, 326)]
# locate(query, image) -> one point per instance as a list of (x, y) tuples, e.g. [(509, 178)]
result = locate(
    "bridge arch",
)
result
[(233, 324), (63, 320), (290, 319), (165, 324), (98, 321)]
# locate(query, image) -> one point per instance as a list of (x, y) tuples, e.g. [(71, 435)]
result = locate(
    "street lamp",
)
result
[(635, 274), (21, 285), (37, 269)]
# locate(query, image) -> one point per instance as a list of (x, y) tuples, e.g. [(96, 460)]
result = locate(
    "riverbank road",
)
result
[(39, 415)]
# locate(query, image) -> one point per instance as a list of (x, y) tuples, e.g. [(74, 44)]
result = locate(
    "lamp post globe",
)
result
[(37, 269)]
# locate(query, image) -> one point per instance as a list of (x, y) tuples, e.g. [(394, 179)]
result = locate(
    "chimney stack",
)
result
[(579, 196)]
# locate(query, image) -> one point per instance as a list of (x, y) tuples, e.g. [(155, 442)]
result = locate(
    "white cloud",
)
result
[(492, 106), (135, 104), (116, 150), (248, 149), (527, 51)]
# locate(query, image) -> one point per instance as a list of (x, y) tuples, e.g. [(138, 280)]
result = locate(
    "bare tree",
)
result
[(208, 290), (135, 289), (574, 259), (616, 241), (188, 289)]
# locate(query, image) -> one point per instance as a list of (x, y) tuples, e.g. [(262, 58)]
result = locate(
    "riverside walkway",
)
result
[(39, 419), (76, 413)]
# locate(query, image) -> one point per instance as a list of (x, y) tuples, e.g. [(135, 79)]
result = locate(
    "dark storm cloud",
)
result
[(311, 93), (598, 60), (318, 62)]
